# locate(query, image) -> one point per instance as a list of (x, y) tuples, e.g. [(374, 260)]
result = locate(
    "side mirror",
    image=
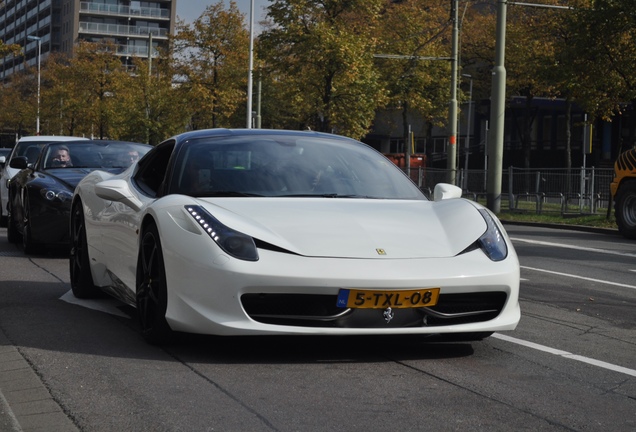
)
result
[(19, 162), (3, 161), (117, 190), (444, 191)]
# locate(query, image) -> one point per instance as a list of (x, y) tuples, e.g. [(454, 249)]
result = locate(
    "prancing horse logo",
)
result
[(381, 251), (388, 315)]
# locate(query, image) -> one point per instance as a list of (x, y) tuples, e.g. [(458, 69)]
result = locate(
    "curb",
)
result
[(597, 230), (25, 402)]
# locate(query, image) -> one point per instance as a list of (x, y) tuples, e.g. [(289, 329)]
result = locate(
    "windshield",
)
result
[(92, 154), (29, 149), (290, 166)]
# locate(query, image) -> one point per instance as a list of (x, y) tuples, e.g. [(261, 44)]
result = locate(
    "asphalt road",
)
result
[(569, 366)]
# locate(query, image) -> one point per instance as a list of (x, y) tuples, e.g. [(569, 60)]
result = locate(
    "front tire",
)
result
[(626, 209), (3, 213), (13, 236), (152, 290), (79, 265), (28, 245)]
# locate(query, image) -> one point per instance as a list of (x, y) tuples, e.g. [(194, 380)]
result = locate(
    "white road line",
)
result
[(566, 246), (580, 277), (566, 354)]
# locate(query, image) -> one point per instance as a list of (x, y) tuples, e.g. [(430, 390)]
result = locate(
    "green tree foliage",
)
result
[(18, 100), (211, 58), (148, 108), (317, 69), (83, 89), (321, 52), (419, 82), (604, 46), (6, 50)]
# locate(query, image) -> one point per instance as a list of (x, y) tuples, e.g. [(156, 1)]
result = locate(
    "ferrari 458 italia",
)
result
[(246, 232)]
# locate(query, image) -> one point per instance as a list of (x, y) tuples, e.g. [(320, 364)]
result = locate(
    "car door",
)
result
[(121, 223)]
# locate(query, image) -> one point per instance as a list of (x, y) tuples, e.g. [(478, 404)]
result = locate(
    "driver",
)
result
[(61, 157)]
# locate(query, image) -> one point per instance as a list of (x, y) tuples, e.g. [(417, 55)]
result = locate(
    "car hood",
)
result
[(354, 228), (70, 177)]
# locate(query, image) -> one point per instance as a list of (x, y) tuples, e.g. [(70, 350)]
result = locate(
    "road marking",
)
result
[(565, 246), (580, 277), (591, 361)]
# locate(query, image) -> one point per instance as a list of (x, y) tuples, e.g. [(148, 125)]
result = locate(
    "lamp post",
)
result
[(452, 111), (39, 40), (498, 106), (468, 128), (251, 67)]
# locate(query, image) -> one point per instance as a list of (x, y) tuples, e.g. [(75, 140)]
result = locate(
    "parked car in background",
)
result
[(40, 193), (246, 232), (30, 148), (4, 154)]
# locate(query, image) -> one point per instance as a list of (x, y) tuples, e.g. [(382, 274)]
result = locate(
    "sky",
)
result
[(189, 10)]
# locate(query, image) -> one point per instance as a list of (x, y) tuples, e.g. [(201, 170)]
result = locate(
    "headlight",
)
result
[(492, 241), (234, 243), (56, 195)]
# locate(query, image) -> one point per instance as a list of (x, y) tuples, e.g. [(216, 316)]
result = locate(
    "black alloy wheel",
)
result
[(79, 265), (13, 236), (28, 245), (3, 213), (152, 290)]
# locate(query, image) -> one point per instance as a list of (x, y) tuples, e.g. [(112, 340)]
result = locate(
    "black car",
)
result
[(40, 194)]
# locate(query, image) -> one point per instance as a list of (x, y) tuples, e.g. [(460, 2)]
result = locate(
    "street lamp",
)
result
[(39, 40), (468, 128), (452, 111), (498, 105), (251, 67)]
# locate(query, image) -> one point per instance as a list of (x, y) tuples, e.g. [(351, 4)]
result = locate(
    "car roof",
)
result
[(49, 138), (261, 132)]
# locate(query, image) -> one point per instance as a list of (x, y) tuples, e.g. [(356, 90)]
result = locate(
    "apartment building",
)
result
[(45, 26)]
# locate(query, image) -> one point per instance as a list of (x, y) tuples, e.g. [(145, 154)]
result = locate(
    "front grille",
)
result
[(309, 310)]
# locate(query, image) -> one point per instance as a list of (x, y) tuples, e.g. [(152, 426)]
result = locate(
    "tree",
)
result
[(148, 108), (18, 100), (212, 59), (416, 29), (604, 47), (83, 89), (322, 53), (6, 50)]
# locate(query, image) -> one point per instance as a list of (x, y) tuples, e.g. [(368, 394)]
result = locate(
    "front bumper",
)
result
[(287, 294)]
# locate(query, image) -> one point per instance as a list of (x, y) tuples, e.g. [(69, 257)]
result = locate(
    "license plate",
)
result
[(368, 299)]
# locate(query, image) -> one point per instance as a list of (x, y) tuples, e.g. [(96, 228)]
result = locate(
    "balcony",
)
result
[(120, 30), (124, 11)]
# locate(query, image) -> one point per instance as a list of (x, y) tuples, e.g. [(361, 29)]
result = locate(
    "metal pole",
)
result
[(468, 129), (258, 102), (251, 67), (39, 40), (452, 112), (37, 126), (497, 114)]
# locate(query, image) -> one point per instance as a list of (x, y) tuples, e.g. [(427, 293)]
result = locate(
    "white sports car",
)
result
[(244, 232)]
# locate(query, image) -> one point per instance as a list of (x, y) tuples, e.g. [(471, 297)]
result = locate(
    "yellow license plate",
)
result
[(368, 299)]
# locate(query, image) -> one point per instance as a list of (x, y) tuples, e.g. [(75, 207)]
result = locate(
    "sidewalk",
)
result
[(25, 403)]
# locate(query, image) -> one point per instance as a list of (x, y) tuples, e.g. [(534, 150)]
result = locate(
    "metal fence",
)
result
[(574, 191)]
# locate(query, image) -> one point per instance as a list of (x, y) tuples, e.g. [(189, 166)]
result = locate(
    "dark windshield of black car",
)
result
[(92, 154)]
